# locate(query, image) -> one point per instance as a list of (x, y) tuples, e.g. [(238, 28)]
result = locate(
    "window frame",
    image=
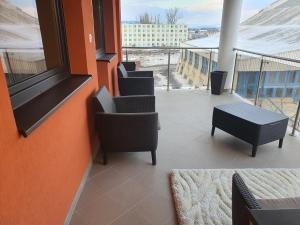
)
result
[(22, 89), (99, 19)]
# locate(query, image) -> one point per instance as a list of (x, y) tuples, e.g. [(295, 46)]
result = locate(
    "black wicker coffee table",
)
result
[(252, 124)]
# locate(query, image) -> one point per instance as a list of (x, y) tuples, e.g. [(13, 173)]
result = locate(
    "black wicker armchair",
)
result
[(243, 200), (126, 124), (135, 82), (129, 66)]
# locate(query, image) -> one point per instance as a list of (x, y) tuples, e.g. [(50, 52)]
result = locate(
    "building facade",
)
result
[(279, 80), (154, 35)]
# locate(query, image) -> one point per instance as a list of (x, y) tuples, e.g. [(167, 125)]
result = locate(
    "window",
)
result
[(204, 67), (279, 92), (191, 58), (292, 77), (35, 60), (99, 27), (38, 51), (185, 54), (282, 77), (289, 92), (197, 58), (272, 77), (214, 66), (269, 92)]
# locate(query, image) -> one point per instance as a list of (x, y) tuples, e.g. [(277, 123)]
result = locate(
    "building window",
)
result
[(191, 58), (292, 77), (204, 67), (279, 92), (289, 92), (185, 54), (39, 51), (214, 66), (272, 77), (197, 58), (269, 92), (99, 27)]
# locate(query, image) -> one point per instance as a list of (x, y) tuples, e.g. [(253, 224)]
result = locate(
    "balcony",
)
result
[(129, 190), (268, 81), (51, 68)]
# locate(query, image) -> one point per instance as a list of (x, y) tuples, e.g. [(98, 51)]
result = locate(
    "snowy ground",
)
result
[(157, 61)]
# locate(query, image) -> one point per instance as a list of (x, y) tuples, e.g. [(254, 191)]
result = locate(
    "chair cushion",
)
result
[(281, 203), (122, 72), (104, 102)]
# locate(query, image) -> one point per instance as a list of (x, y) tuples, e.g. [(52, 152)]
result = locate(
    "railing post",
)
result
[(259, 80), (234, 71), (296, 120), (9, 67), (168, 78), (126, 55), (209, 69)]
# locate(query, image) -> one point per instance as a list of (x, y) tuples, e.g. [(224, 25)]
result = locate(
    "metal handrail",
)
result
[(296, 120), (267, 55), (168, 48), (262, 61), (169, 55)]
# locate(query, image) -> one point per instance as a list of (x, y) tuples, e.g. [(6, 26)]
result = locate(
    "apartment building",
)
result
[(150, 35)]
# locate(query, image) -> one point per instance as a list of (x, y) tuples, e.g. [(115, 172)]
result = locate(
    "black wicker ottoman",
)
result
[(252, 124)]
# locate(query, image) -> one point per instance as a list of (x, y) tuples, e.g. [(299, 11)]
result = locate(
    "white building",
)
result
[(150, 35)]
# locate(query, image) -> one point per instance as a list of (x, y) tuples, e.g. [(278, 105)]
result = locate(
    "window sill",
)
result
[(30, 115), (106, 57)]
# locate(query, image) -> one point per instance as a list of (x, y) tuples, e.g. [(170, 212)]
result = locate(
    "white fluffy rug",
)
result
[(203, 197)]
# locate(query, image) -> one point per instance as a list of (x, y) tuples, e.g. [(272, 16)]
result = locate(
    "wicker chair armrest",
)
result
[(140, 73), (242, 200), (129, 66)]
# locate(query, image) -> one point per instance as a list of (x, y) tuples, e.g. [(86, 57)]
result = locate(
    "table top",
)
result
[(275, 217), (251, 113)]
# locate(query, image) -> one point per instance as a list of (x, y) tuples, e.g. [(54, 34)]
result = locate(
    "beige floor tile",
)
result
[(108, 180), (98, 168), (90, 192), (131, 218), (129, 193), (79, 220), (102, 211), (155, 208)]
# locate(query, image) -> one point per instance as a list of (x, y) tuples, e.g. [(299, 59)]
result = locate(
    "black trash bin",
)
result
[(218, 79)]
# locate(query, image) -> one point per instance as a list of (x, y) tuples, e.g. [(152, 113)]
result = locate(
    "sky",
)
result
[(192, 12)]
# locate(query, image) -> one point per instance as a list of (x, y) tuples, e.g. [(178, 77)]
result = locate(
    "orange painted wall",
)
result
[(40, 175), (108, 75), (112, 24)]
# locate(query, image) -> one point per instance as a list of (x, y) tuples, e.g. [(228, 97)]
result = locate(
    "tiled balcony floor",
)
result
[(130, 191)]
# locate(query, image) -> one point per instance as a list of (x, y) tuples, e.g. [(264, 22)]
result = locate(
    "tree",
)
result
[(172, 15), (146, 18)]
